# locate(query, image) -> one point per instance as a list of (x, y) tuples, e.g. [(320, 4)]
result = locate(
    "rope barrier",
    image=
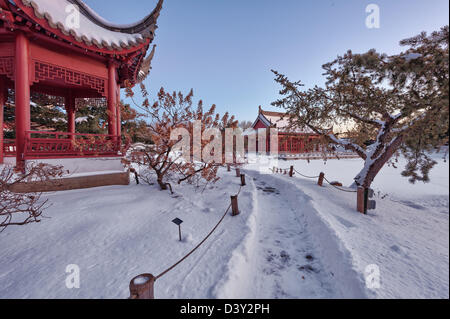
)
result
[(313, 177), (201, 243), (339, 188)]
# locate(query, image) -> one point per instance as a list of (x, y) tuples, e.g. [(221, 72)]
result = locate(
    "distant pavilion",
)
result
[(290, 142)]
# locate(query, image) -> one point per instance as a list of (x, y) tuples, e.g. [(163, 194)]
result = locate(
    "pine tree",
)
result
[(399, 102), (47, 113), (92, 117)]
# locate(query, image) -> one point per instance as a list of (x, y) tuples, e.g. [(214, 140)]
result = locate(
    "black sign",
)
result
[(177, 221)]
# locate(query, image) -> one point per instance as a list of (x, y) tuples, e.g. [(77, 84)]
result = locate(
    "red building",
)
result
[(63, 48), (289, 141)]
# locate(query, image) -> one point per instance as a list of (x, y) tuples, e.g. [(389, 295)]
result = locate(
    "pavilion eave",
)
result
[(40, 19)]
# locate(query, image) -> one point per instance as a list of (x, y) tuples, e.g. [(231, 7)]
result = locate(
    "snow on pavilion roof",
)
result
[(94, 30)]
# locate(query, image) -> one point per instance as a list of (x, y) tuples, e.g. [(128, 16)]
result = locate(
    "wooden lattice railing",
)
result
[(61, 144), (9, 147)]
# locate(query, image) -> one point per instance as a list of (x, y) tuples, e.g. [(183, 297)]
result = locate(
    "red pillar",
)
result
[(119, 115), (3, 97), (112, 99), (290, 144), (70, 110), (22, 88)]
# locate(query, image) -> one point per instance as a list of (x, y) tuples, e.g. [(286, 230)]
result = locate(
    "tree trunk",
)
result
[(373, 170), (161, 183)]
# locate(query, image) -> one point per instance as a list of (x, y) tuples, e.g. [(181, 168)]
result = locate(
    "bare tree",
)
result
[(169, 112), (245, 125), (23, 208)]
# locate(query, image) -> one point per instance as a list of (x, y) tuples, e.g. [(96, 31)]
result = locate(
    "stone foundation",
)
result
[(70, 183)]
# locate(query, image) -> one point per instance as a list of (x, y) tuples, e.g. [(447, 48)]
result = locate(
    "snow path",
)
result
[(279, 259), (407, 236)]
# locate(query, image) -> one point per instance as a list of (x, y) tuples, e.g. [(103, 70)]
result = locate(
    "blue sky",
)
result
[(224, 49)]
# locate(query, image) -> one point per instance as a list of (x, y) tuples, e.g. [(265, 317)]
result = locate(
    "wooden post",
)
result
[(228, 168), (361, 200), (179, 231), (321, 178), (22, 94), (238, 172), (234, 205), (243, 180), (291, 171), (142, 287)]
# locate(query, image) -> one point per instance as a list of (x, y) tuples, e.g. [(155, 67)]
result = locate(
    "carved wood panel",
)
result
[(7, 67), (48, 72)]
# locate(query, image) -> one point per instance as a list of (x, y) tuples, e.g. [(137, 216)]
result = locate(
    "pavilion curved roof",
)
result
[(125, 43), (279, 121), (93, 30)]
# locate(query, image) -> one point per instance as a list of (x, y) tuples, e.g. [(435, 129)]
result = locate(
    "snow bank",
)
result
[(116, 233)]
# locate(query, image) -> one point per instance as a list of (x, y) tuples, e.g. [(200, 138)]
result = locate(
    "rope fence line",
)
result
[(200, 244), (311, 177), (363, 204), (142, 286), (339, 188), (277, 169)]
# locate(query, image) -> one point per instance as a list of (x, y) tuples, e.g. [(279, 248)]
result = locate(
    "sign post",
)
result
[(178, 222)]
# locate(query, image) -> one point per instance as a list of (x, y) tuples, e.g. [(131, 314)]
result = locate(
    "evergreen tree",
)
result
[(91, 116), (48, 114), (398, 102)]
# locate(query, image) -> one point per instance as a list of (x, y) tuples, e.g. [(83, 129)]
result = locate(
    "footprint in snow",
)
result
[(285, 258), (308, 268)]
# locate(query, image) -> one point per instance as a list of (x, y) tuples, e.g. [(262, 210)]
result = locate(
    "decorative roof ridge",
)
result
[(144, 28), (146, 66), (137, 27), (263, 119), (271, 113)]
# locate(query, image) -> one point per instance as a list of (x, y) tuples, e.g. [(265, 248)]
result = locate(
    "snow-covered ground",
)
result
[(115, 233), (406, 237), (293, 239)]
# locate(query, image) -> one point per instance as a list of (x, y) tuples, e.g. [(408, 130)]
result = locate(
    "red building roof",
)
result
[(279, 120)]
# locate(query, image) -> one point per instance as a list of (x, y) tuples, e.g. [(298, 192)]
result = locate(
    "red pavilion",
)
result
[(63, 48)]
